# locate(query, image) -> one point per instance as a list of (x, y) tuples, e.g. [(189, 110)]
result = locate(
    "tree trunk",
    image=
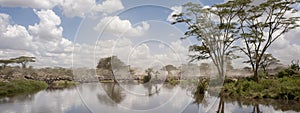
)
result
[(23, 65), (221, 105), (4, 66), (256, 77)]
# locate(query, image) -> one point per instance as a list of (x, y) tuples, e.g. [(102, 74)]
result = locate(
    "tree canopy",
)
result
[(23, 60), (112, 64), (214, 28), (237, 25), (261, 25)]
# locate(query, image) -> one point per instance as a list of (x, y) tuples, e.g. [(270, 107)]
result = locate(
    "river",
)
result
[(135, 98)]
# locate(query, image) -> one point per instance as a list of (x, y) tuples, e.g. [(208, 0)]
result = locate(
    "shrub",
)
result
[(202, 86), (146, 79), (15, 87)]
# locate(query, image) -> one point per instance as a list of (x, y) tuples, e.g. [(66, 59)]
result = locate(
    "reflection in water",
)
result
[(113, 94), (256, 109), (108, 98), (152, 89), (221, 105)]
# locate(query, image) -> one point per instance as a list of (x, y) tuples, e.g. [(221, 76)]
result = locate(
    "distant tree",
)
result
[(268, 60), (247, 68), (112, 64), (6, 62), (23, 60), (169, 68)]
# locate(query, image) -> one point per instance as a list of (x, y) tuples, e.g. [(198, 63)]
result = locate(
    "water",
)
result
[(133, 98)]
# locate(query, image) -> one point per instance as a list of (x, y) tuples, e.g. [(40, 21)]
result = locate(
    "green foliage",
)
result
[(281, 88), (16, 87), (261, 25), (6, 62), (110, 63), (173, 81), (23, 60), (202, 86), (62, 84), (292, 70)]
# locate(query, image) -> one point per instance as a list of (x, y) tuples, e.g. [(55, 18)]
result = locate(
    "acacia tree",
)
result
[(6, 62), (261, 25), (214, 28), (23, 60)]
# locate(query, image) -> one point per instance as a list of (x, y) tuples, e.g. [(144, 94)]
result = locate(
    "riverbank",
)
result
[(62, 84), (21, 86), (286, 88)]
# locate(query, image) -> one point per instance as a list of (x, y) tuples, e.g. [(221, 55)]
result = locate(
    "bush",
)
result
[(287, 72), (15, 87), (172, 80), (202, 86), (280, 88), (62, 84)]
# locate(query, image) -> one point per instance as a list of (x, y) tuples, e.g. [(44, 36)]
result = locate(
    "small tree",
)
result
[(23, 60), (268, 60)]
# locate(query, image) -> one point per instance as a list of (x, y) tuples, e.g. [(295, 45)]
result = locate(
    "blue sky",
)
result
[(25, 16), (60, 33)]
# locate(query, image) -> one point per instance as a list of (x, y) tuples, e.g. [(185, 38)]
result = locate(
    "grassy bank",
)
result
[(21, 86), (286, 88), (62, 84)]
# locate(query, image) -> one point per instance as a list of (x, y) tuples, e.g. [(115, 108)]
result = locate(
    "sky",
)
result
[(77, 33)]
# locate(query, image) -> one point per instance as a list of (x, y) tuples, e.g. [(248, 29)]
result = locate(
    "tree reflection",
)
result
[(113, 94), (256, 108), (221, 105), (152, 88)]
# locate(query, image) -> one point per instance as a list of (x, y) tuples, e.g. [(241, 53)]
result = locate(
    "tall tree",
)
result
[(23, 60), (261, 25), (214, 28)]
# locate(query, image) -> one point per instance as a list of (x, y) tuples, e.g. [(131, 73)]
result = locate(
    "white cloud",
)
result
[(48, 28), (70, 8), (79, 8), (41, 4), (116, 26), (82, 8), (109, 6), (176, 10), (42, 40), (13, 36)]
